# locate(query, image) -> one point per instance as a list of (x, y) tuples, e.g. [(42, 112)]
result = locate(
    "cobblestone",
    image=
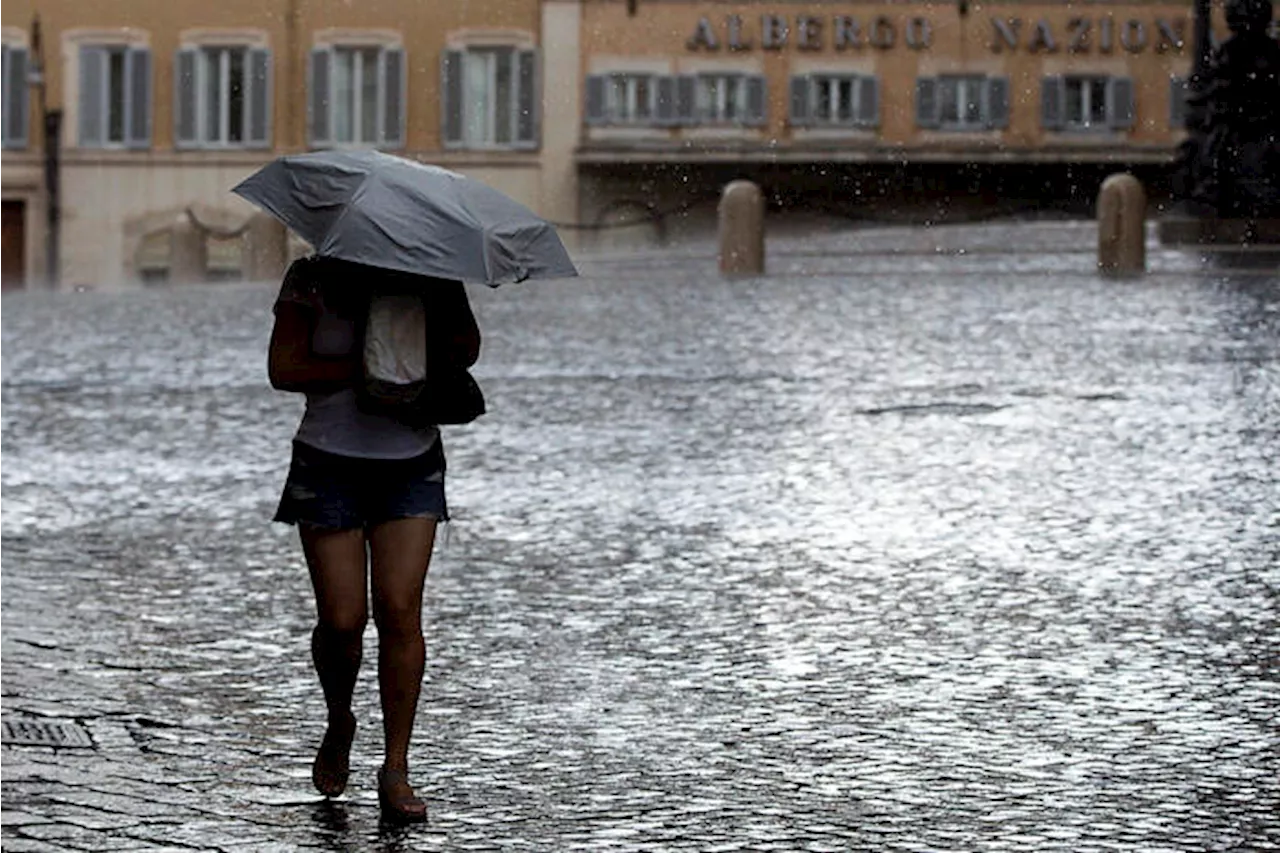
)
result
[(860, 558)]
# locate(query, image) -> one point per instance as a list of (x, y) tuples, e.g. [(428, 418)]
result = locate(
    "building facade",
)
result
[(594, 112)]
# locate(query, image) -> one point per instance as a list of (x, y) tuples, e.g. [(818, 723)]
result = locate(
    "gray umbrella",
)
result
[(385, 211)]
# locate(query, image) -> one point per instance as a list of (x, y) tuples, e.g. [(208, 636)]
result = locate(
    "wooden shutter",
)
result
[(185, 134), (928, 104), (594, 108), (686, 99), (393, 97), (93, 82), (868, 101), (319, 130), (800, 111), (259, 101), (757, 101), (138, 112), (1120, 103), (1053, 103), (664, 112), (527, 99), (16, 109), (451, 98), (997, 112)]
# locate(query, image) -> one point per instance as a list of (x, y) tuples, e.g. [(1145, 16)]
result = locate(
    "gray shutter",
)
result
[(1178, 103), (528, 99), (451, 97), (799, 112), (139, 109), (686, 99), (757, 96), (1053, 97), (318, 124), (93, 74), (1120, 105), (927, 106), (665, 106), (997, 103), (259, 101), (393, 98), (16, 109), (184, 99), (594, 107), (868, 101)]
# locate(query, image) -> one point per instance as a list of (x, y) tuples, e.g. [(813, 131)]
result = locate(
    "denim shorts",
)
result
[(345, 492)]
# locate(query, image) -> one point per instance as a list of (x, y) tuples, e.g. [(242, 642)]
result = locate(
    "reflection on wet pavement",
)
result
[(858, 556)]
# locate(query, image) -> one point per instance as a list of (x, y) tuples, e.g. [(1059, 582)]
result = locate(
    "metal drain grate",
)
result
[(62, 735)]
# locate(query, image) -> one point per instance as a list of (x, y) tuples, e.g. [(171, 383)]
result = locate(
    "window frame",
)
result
[(856, 81), (1087, 82), (10, 140), (131, 53), (705, 117), (355, 44), (524, 108), (964, 82), (630, 81)]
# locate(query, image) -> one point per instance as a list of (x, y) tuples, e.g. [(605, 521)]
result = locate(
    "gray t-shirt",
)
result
[(332, 422)]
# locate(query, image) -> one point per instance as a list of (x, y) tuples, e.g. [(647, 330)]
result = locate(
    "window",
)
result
[(835, 100), (965, 102), (629, 98), (223, 97), (1178, 92), (16, 112), (115, 97), (1087, 103), (490, 98), (720, 98), (357, 96)]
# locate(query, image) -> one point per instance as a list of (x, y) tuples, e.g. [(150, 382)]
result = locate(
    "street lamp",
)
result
[(51, 122)]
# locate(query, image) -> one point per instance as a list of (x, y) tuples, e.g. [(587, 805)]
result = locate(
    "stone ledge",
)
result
[(1219, 234)]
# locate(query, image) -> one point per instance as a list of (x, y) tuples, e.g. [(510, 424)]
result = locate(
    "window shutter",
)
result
[(686, 99), (997, 115), (1178, 103), (1053, 97), (451, 97), (927, 104), (93, 74), (757, 97), (318, 103), (799, 111), (527, 99), (665, 105), (259, 101), (594, 106), (1120, 105), (139, 109), (868, 101), (184, 99), (16, 109), (393, 99)]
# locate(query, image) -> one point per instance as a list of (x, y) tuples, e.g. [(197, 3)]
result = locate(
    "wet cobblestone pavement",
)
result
[(885, 552)]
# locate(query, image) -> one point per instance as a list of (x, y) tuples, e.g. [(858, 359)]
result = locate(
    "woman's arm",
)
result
[(291, 366)]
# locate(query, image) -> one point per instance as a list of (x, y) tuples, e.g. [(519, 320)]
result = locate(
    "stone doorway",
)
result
[(13, 251)]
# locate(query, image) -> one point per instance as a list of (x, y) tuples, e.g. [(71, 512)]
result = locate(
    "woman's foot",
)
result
[(397, 799), (333, 760)]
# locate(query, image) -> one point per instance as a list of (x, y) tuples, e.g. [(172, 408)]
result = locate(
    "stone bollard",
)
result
[(1122, 232), (265, 248), (741, 215), (188, 253)]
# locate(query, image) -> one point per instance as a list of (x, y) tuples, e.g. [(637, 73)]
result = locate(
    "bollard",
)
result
[(265, 248), (741, 215), (188, 253), (1122, 233)]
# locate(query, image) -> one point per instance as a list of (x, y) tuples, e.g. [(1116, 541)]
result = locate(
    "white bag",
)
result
[(395, 349)]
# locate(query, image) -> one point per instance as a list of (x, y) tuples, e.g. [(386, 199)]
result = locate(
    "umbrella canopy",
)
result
[(385, 211)]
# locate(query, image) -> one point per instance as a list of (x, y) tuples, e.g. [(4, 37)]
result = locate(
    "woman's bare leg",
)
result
[(400, 552), (338, 564)]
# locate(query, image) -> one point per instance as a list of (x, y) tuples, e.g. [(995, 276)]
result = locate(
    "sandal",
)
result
[(333, 760), (401, 809)]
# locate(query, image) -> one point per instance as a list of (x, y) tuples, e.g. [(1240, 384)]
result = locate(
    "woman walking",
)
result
[(366, 491)]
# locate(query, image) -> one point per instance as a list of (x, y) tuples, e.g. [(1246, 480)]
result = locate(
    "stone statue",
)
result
[(1230, 161)]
